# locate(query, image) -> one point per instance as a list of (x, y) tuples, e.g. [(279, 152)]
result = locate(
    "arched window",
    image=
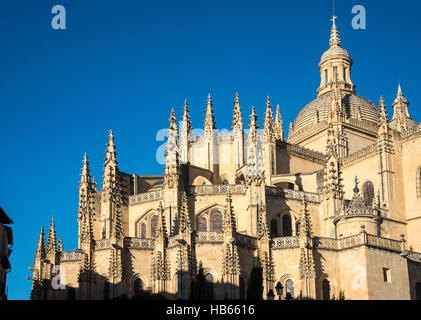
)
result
[(286, 225), (297, 228), (209, 286), (368, 193), (143, 230), (289, 284), (418, 177), (418, 291), (216, 221), (137, 286), (273, 227), (154, 221), (326, 289), (203, 224), (226, 182)]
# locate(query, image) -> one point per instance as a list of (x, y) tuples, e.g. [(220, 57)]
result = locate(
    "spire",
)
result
[(51, 242), (173, 121), (186, 126), (40, 252), (111, 153), (269, 133), (184, 224), (291, 130), (161, 231), (334, 41), (86, 189), (262, 226), (279, 127), (229, 219), (209, 118), (331, 143), (237, 118), (307, 268), (401, 120), (383, 112), (111, 172), (60, 244), (172, 151), (306, 230)]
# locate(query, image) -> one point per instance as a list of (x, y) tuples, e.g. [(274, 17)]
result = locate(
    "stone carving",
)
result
[(139, 243), (293, 194), (144, 197), (217, 189)]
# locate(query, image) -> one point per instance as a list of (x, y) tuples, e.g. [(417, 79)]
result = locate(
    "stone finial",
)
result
[(335, 40)]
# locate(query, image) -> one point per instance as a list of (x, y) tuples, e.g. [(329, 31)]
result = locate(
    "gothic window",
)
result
[(203, 224), (154, 221), (209, 287), (368, 193), (419, 182), (273, 227), (143, 230), (226, 182), (326, 289), (137, 286), (289, 284), (286, 225), (216, 221)]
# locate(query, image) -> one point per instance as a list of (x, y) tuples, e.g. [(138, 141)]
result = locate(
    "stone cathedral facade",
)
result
[(333, 207)]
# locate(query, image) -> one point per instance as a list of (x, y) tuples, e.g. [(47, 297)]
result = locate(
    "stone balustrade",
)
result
[(293, 194), (103, 244), (243, 240), (144, 197), (285, 242), (346, 243), (139, 243), (205, 190), (70, 256), (205, 236)]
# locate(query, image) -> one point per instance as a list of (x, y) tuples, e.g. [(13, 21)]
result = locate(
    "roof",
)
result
[(354, 105)]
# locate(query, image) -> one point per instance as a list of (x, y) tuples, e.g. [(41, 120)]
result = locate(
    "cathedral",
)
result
[(331, 210)]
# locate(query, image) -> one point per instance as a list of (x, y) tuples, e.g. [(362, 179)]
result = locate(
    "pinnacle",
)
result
[(334, 41)]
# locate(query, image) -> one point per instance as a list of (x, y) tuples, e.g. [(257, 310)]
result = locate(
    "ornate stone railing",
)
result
[(285, 242), (413, 256), (384, 243), (70, 256), (346, 243), (371, 149), (411, 132), (243, 240), (102, 244), (204, 236), (364, 124), (139, 243), (292, 194), (326, 243), (144, 197), (217, 189), (307, 131), (303, 152)]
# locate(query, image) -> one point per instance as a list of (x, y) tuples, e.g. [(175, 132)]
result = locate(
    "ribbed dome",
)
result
[(334, 52), (355, 107)]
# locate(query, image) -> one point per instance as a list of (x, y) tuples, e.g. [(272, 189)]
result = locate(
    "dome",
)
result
[(355, 107), (334, 52)]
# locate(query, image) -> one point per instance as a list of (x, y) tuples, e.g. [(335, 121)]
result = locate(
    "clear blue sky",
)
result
[(124, 64)]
